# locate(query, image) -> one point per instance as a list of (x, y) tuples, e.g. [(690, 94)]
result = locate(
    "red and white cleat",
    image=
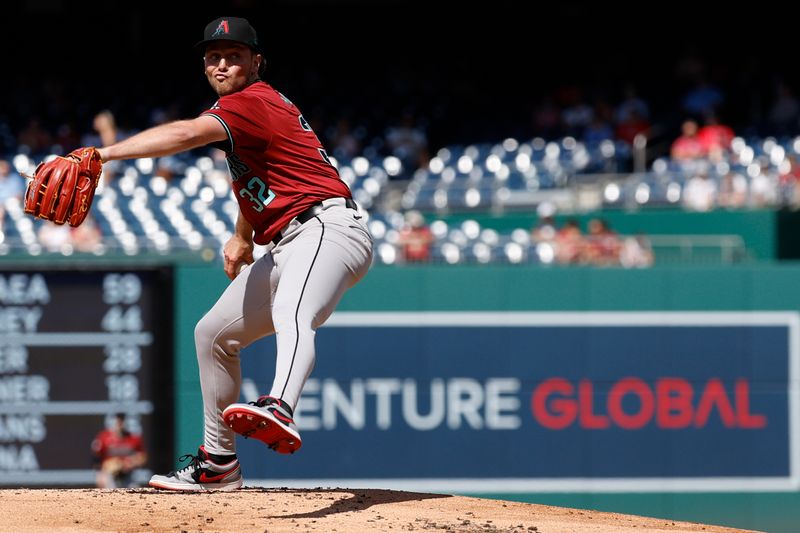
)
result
[(268, 419)]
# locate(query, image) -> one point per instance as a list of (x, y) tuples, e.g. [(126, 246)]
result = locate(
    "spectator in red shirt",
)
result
[(569, 243), (688, 146), (116, 453), (416, 238), (715, 136), (602, 244)]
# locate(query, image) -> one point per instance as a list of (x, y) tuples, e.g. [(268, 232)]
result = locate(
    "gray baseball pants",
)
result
[(290, 291)]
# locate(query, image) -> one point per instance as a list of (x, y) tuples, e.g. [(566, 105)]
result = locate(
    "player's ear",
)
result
[(262, 64)]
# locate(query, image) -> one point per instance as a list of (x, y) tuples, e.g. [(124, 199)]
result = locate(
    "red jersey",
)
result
[(108, 443), (687, 148), (416, 243), (278, 165), (715, 136)]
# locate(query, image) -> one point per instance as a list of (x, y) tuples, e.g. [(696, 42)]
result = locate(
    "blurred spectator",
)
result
[(545, 228), (700, 193), (162, 115), (703, 99), (87, 237), (631, 126), (55, 238), (630, 106), (732, 190), (547, 119), (687, 146), (569, 243), (116, 453), (416, 238), (107, 133), (764, 185), (577, 115), (168, 167), (789, 182), (715, 137), (636, 252), (597, 130), (11, 186), (219, 158), (408, 142), (603, 245), (344, 143), (784, 112), (67, 138), (104, 130), (34, 138)]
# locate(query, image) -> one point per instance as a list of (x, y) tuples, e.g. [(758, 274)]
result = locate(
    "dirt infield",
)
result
[(293, 510)]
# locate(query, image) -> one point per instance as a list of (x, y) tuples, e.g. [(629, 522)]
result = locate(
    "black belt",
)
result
[(311, 212)]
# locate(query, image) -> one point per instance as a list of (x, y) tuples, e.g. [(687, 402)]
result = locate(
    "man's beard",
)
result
[(229, 86)]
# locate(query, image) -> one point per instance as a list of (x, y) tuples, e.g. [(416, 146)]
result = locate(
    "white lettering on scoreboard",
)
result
[(27, 403)]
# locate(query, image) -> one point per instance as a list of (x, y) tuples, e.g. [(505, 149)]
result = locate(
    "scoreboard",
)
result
[(76, 347)]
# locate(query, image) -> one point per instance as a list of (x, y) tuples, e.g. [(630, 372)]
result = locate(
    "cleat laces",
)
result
[(194, 464), (263, 401)]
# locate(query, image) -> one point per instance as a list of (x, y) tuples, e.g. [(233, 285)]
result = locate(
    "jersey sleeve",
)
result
[(138, 443), (241, 117), (98, 448)]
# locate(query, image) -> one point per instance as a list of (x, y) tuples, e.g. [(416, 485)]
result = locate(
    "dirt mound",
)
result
[(294, 510)]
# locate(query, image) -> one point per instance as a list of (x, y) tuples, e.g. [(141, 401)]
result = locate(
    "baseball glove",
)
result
[(62, 190)]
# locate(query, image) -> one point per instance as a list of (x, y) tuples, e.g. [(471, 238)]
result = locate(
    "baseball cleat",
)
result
[(202, 474), (268, 419)]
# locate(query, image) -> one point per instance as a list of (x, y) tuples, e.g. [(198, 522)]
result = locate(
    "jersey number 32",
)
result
[(258, 193)]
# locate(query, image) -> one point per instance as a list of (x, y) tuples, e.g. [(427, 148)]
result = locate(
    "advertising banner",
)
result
[(576, 401)]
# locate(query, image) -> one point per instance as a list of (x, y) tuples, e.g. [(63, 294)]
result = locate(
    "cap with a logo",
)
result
[(233, 29)]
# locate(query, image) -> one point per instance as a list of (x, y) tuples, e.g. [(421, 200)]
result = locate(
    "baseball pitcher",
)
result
[(290, 199)]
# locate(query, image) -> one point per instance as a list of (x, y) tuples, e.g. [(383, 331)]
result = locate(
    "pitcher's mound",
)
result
[(260, 510)]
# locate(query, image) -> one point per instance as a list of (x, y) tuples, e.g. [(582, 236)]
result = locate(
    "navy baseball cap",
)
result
[(233, 29)]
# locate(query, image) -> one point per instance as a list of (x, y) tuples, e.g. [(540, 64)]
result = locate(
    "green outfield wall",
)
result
[(761, 287)]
